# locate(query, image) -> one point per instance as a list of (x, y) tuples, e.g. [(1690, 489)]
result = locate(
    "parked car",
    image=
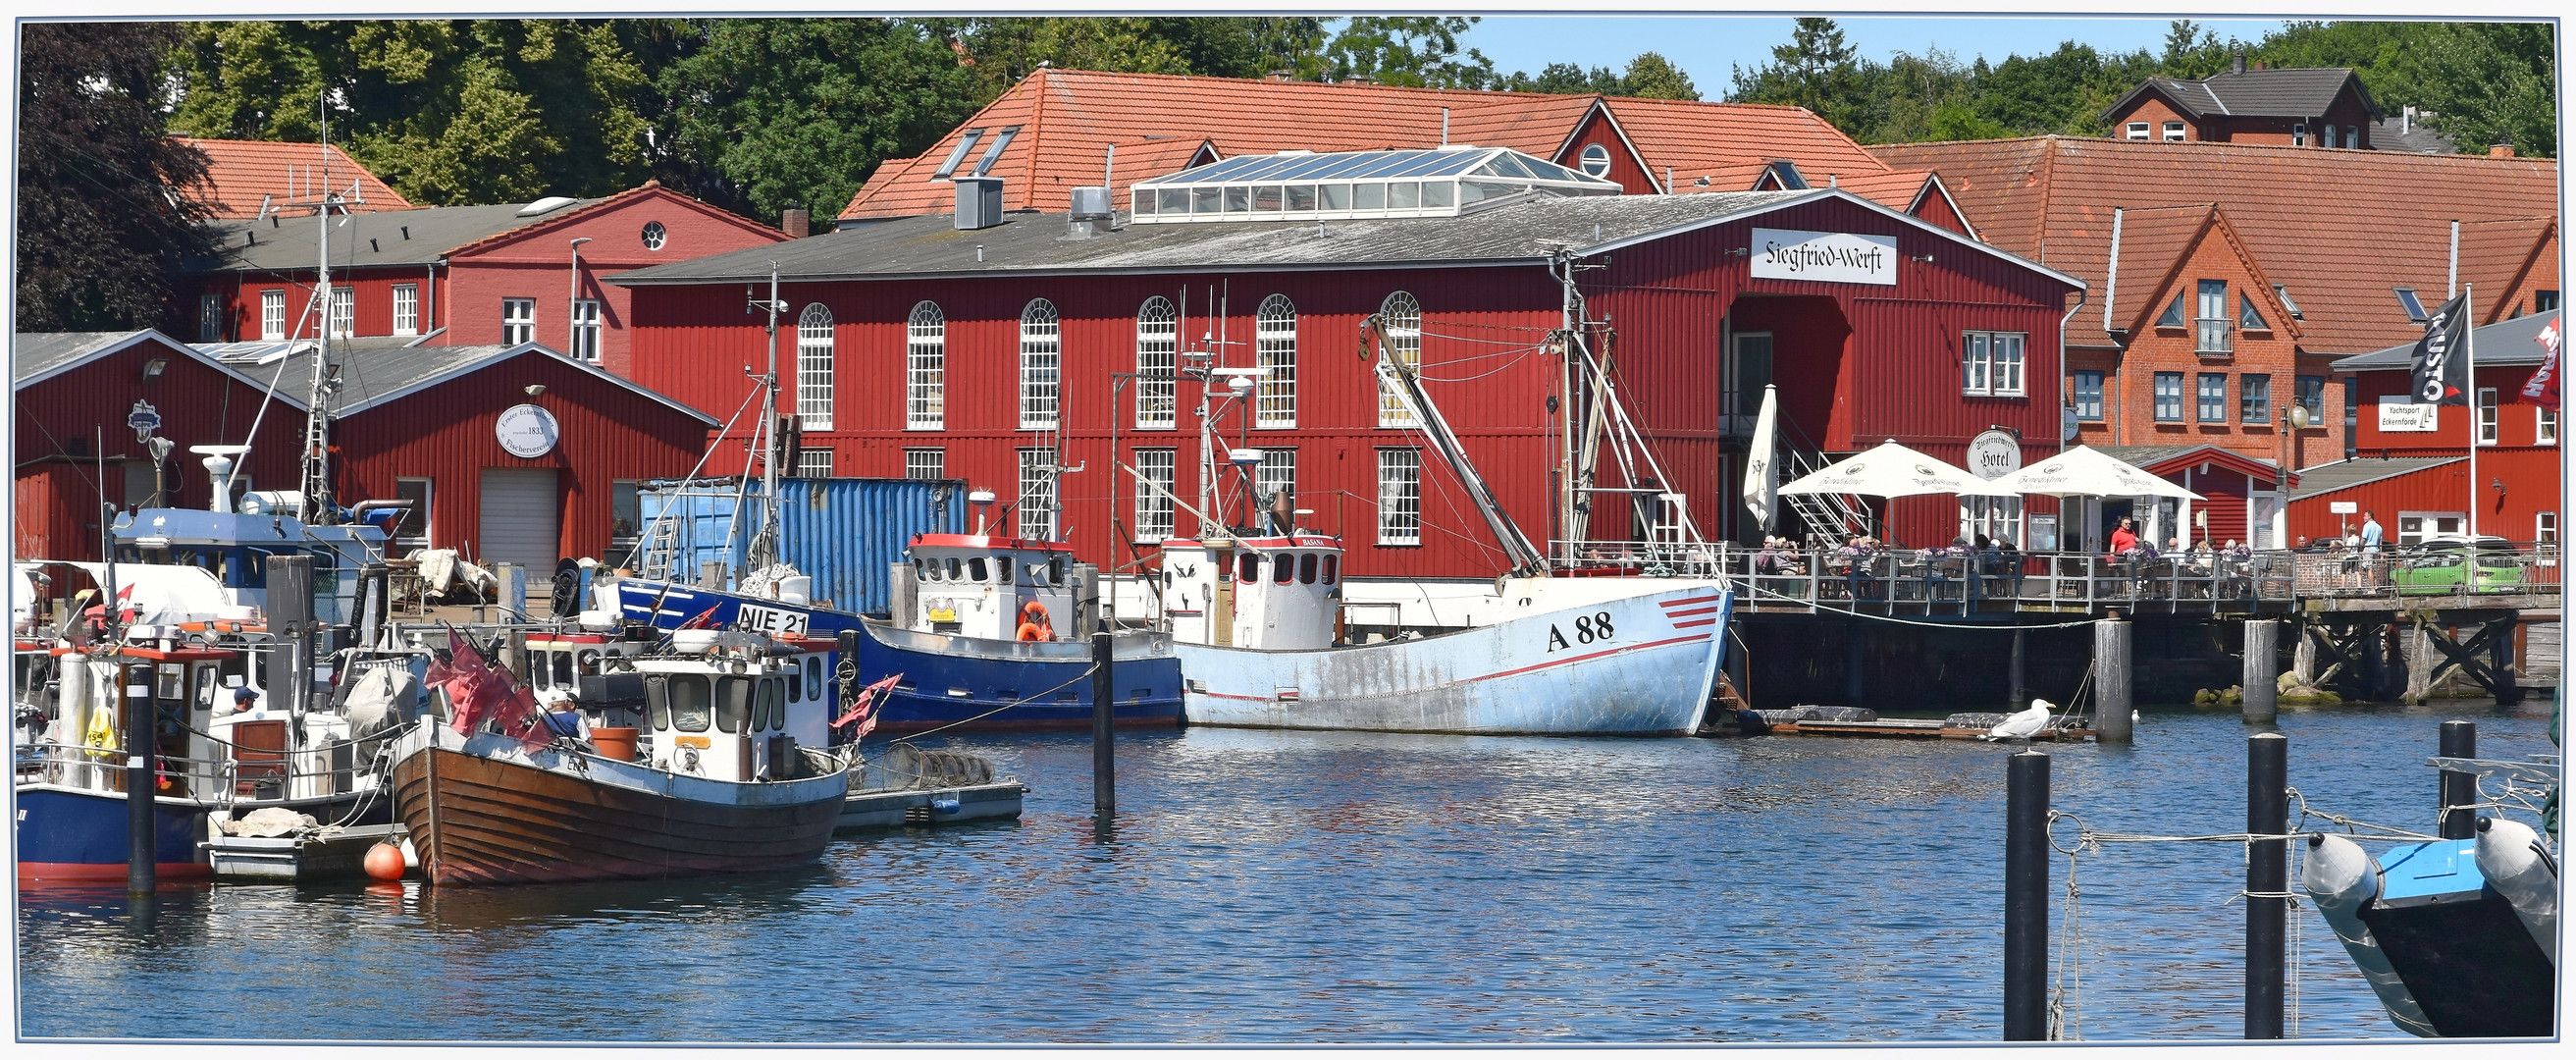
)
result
[(2458, 563)]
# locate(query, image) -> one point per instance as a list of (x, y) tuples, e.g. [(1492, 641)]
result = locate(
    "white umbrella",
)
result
[(1892, 470), (2088, 472), (1761, 467)]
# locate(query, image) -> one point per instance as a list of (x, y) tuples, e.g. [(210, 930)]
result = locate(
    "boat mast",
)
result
[(1525, 556), (764, 541), (316, 487)]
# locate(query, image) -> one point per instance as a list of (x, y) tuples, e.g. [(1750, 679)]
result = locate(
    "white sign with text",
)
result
[(2407, 417), (1831, 257)]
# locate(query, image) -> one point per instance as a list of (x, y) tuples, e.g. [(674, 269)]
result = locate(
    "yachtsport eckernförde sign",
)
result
[(2395, 417), (1831, 257)]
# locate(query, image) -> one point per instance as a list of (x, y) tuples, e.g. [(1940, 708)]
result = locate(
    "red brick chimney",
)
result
[(2500, 151), (797, 223)]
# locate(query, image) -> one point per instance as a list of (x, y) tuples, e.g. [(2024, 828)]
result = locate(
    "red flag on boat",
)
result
[(706, 619), (864, 711), (465, 671)]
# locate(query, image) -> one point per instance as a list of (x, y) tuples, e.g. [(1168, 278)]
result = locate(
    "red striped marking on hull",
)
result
[(1569, 661)]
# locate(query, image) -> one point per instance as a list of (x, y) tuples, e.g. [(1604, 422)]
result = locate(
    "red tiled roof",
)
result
[(241, 173), (1067, 118), (2339, 228), (2505, 250), (2154, 243), (1896, 189)]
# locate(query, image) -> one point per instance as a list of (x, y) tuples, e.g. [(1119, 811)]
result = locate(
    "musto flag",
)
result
[(2543, 386), (2441, 361)]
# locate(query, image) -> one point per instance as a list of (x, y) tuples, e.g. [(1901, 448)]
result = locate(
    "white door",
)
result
[(2263, 519), (522, 514)]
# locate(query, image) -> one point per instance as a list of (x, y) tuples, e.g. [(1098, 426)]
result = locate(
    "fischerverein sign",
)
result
[(1830, 257)]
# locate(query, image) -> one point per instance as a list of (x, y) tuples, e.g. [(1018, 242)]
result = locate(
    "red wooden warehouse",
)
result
[(923, 346)]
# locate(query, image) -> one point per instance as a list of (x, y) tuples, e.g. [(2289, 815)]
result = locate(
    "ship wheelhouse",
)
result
[(977, 586)]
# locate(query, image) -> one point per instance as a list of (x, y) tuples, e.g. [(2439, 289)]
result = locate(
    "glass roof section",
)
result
[(1304, 185)]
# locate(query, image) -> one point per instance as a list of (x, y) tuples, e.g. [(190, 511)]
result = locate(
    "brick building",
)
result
[(2290, 106)]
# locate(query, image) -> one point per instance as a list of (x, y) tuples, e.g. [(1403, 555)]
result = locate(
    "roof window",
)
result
[(1305, 186), (2414, 306), (2287, 302), (1001, 142), (965, 142), (1786, 172)]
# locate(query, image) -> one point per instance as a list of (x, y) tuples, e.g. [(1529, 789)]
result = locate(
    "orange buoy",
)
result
[(384, 862)]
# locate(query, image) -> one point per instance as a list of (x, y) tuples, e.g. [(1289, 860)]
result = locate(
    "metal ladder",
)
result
[(1822, 512)]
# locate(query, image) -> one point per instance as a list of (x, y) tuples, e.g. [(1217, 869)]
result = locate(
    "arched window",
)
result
[(925, 369), (1596, 160), (814, 368), (1158, 335), (1038, 364), (1401, 316), (1275, 343)]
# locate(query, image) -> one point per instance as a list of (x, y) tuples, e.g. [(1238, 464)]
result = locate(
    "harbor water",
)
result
[(1327, 887)]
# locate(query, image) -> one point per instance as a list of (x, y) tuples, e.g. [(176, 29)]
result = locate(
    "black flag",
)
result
[(2441, 361)]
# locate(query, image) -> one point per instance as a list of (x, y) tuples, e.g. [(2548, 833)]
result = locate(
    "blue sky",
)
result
[(1706, 46)]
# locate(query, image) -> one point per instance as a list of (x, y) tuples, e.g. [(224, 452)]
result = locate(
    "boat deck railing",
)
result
[(1964, 582), (55, 762)]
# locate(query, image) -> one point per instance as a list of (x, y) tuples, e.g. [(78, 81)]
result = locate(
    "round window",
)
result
[(654, 234), (1596, 160)]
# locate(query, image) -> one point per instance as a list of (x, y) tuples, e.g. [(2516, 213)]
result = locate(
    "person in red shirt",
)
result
[(2124, 538)]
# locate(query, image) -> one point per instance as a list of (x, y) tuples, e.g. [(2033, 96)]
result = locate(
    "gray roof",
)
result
[(2515, 341), (373, 377), (35, 356), (2416, 140), (1525, 233), (2289, 92), (2345, 474), (2143, 455), (387, 238)]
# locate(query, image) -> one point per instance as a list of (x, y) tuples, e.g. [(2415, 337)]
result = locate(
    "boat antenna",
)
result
[(764, 541)]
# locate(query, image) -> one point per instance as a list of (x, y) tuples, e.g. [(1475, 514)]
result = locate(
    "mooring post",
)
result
[(2303, 659), (2459, 740), (141, 868), (2026, 897), (1104, 747), (2111, 681), (2262, 671), (2020, 689), (2267, 874), (2419, 662)]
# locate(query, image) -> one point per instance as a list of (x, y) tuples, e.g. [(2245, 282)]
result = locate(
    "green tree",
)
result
[(1417, 51), (1567, 79), (2192, 51), (1817, 70), (1651, 76), (106, 200), (798, 112)]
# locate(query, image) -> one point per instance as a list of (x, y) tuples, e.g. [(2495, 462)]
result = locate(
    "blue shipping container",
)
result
[(844, 532)]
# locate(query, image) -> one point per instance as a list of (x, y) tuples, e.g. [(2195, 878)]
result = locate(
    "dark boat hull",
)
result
[(72, 835), (485, 820)]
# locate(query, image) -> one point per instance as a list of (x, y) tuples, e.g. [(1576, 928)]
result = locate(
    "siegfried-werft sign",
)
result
[(1831, 257)]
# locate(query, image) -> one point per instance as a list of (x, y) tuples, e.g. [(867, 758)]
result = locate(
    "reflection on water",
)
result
[(1260, 886)]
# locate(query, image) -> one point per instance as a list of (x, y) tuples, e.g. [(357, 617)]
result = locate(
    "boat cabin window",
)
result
[(1332, 567), (813, 675), (771, 713), (733, 703), (952, 568), (680, 702), (1285, 567), (977, 569), (1003, 566), (172, 684), (1055, 571), (1306, 569), (1247, 567), (588, 661), (205, 697), (563, 669), (795, 683)]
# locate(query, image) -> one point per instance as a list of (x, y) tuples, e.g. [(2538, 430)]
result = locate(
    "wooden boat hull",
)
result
[(1554, 673), (482, 812)]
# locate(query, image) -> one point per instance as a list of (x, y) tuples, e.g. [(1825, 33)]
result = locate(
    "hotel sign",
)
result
[(2394, 417), (1831, 257)]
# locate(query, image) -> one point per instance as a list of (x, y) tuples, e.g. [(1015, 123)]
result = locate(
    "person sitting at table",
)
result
[(2124, 539), (2238, 561), (2007, 563), (1855, 556), (1767, 561), (1788, 558)]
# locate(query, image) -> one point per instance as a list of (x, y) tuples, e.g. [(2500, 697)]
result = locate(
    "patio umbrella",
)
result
[(2088, 472), (1892, 470)]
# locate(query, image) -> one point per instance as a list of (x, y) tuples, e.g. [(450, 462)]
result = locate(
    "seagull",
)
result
[(2025, 724)]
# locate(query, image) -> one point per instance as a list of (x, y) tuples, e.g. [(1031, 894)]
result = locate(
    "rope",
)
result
[(1022, 701)]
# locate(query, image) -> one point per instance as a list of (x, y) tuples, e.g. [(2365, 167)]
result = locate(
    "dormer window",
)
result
[(2414, 306), (1786, 172), (2287, 302), (2173, 132), (2138, 130)]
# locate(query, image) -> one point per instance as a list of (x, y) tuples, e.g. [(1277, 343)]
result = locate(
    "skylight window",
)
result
[(965, 143), (2287, 302), (1786, 172), (1001, 142), (2414, 306), (1304, 185)]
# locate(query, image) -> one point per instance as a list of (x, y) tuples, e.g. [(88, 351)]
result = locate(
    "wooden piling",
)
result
[(2459, 740), (2419, 662), (142, 868), (2026, 897), (2267, 873), (2262, 681), (1104, 746), (2303, 658), (2111, 703), (2020, 690)]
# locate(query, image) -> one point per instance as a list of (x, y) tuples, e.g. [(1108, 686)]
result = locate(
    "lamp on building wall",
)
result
[(153, 368), (534, 389), (2499, 488)]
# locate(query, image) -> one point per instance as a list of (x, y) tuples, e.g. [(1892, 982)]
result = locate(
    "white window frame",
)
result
[(1997, 517), (210, 317), (925, 463), (428, 509), (272, 315), (2139, 130), (1158, 346), (2414, 527), (2544, 425), (1041, 361), (1037, 500), (2075, 393), (814, 357), (518, 321), (1154, 509), (2544, 528), (2326, 138), (925, 368), (1992, 363), (344, 312), (1399, 496), (813, 463), (406, 309), (2214, 329), (1401, 316), (2173, 132), (1274, 338), (2489, 416), (2157, 396), (585, 330), (1276, 471), (1595, 161), (2203, 401)]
